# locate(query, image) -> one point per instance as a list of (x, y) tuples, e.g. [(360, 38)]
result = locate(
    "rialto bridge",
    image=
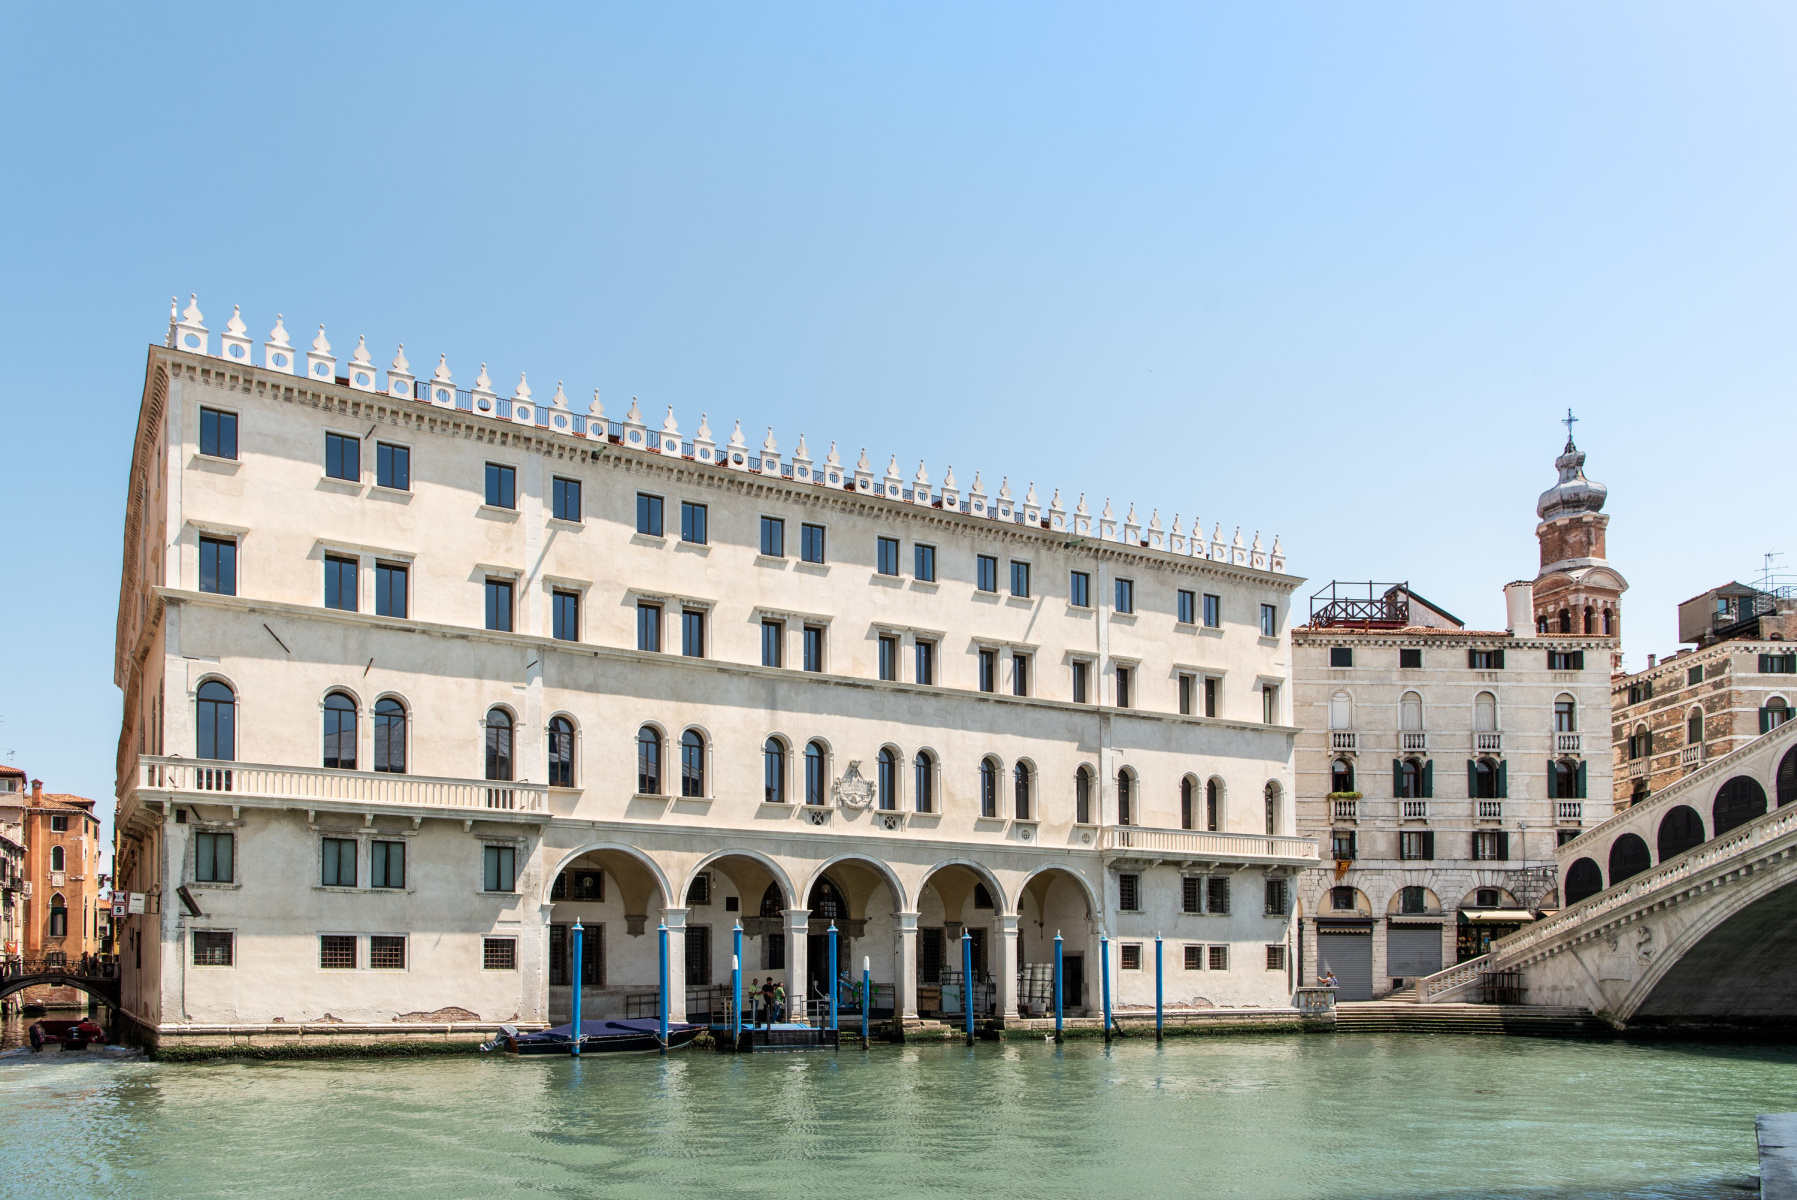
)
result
[(1681, 910)]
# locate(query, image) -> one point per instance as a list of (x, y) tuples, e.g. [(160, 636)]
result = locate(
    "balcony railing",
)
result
[(1413, 741), (1222, 846), (1341, 739), (1634, 768), (1415, 810), (1347, 810), (1568, 810), (1490, 810), (236, 782), (1566, 743), (1488, 743), (1690, 756)]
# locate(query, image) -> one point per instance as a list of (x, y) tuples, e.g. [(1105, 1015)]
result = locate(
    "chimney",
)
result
[(1519, 608), (1650, 661), (37, 791)]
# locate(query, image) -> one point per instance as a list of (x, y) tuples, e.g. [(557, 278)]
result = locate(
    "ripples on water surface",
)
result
[(1328, 1117)]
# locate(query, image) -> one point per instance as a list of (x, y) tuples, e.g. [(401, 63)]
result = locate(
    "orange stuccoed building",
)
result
[(66, 909)]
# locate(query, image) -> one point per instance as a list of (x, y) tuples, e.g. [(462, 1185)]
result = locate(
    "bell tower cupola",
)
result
[(1577, 592)]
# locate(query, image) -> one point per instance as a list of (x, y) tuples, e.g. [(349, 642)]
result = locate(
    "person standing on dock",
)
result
[(767, 1002), (779, 1002)]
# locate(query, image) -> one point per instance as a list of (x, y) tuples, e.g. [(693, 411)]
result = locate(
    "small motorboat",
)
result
[(74, 1035), (599, 1037)]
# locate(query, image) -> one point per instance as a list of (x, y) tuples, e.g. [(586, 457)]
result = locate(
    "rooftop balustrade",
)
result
[(205, 782)]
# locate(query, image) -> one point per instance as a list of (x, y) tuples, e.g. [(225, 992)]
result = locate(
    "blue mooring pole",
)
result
[(574, 1046), (1157, 987), (662, 932), (1104, 956), (967, 981), (867, 994), (736, 990), (1057, 985), (835, 1016)]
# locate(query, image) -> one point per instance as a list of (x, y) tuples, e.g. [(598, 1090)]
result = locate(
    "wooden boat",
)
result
[(599, 1037)]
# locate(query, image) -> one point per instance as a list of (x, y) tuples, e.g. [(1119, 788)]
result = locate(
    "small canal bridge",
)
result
[(1678, 911), (99, 979)]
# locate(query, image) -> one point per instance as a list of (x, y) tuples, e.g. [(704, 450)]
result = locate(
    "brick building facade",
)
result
[(64, 911)]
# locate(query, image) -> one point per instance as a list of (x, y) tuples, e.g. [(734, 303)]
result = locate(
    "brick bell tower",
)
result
[(1577, 591)]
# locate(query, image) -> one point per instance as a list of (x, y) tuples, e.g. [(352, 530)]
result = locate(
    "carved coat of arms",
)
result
[(853, 790)]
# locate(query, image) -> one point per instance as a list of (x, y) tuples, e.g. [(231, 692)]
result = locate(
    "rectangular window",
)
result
[(61, 824), (1216, 894), (698, 955), (926, 662), (692, 523), (502, 486), (1269, 620), (218, 566), (564, 499), (1694, 675), (340, 583), (811, 543), (1341, 656), (343, 457), (692, 632), (1129, 956), (1275, 956), (814, 648), (889, 652), (1410, 660), (1123, 682), (1187, 689), (1417, 846), (923, 563), (1020, 579), (1079, 590), (1194, 958), (1342, 846), (390, 592), (1219, 958), (773, 537), (1210, 696), (1278, 897), (218, 439), (988, 670), (1566, 660), (387, 865), (1491, 846), (1191, 894), (499, 954), (337, 952), (499, 605), (1126, 596), (1188, 608), (1129, 892), (393, 466), (500, 868), (985, 573), (339, 863), (212, 857), (1485, 660), (1020, 674), (212, 948), (387, 952), (773, 643), (1269, 704), (1213, 611), (1082, 673), (886, 555), (566, 616), (1778, 664), (648, 627), (648, 514)]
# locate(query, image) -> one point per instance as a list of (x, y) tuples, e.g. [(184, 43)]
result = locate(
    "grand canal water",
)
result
[(1331, 1117)]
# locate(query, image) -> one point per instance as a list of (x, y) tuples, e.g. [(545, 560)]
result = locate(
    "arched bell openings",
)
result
[(649, 756), (390, 727), (773, 770), (215, 733), (339, 732), (692, 764), (500, 732), (561, 734)]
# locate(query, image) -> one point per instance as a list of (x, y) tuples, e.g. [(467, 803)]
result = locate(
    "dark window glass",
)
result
[(1082, 796), (1123, 682), (387, 865), (502, 486), (565, 499), (212, 857), (924, 563), (816, 774), (692, 763), (1216, 894), (648, 627), (393, 466), (1213, 806), (926, 662), (389, 735), (1082, 672), (924, 783), (1694, 675), (1020, 579), (692, 523), (218, 435), (216, 737), (773, 643), (889, 650), (1021, 790), (648, 514), (1269, 620), (211, 948), (886, 555), (773, 537), (340, 583), (648, 761), (499, 744), (339, 732), (988, 670), (1341, 656), (342, 457), (1020, 675), (1213, 611), (1125, 798), (59, 917), (567, 616), (499, 605), (814, 648), (339, 863), (692, 632), (811, 543), (387, 952), (1410, 659), (218, 566), (988, 788), (561, 752), (773, 771), (986, 573), (1126, 596), (1129, 893), (1080, 591), (337, 951), (500, 870), (1210, 696), (1186, 683), (1188, 608), (390, 581), (886, 780)]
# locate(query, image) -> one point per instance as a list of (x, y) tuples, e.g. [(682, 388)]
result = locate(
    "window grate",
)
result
[(337, 952)]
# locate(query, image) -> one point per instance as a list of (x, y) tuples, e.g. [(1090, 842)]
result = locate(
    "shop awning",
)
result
[(1495, 916)]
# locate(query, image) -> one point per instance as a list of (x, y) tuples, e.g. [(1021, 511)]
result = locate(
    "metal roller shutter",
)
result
[(1349, 953), (1412, 951)]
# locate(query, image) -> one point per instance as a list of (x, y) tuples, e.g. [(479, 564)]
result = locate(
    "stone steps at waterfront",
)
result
[(1399, 1016)]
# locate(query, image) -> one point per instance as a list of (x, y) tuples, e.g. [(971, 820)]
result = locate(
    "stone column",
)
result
[(798, 928), (904, 966), (1007, 968), (675, 919)]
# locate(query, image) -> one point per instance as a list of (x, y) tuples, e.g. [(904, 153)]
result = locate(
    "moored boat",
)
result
[(599, 1037)]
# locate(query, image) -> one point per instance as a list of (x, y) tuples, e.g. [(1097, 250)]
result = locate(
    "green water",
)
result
[(1292, 1116)]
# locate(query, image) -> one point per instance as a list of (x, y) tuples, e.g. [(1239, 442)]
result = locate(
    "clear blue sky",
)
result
[(1322, 270)]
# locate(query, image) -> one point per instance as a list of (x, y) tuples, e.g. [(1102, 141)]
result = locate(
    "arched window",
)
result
[(561, 752), (1609, 621), (1185, 803), (1213, 805), (1341, 776), (1410, 712), (1775, 713), (817, 773), (1590, 620), (1739, 801), (1565, 620), (886, 779), (1341, 711), (56, 858), (827, 903), (1082, 796), (1126, 797), (1020, 788), (923, 787), (1566, 715), (216, 736), (1272, 799), (59, 916), (1566, 780), (389, 735), (1410, 779), (1541, 624), (692, 763), (339, 732), (1584, 878), (1413, 900), (1694, 728), (1680, 829), (1485, 780), (648, 761), (1640, 743), (1628, 856), (772, 902), (773, 771), (499, 744), (1485, 713), (988, 787)]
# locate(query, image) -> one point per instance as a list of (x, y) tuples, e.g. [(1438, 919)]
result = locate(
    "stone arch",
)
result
[(652, 869), (1680, 829), (1629, 856), (98, 990), (1737, 802), (1334, 894), (1001, 900), (887, 875), (775, 871), (1583, 878), (1093, 903)]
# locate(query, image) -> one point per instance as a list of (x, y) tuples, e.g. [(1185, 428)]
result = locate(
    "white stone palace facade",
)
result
[(415, 676)]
